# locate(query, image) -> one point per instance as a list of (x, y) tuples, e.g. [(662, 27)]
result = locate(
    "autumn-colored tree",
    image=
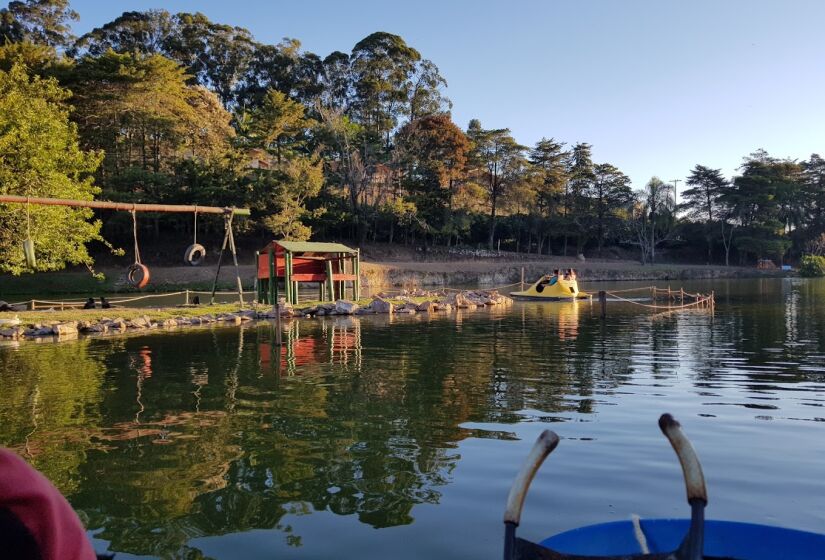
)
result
[(433, 159)]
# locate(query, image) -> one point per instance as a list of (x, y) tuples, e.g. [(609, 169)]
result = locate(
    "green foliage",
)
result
[(44, 22), (361, 146), (289, 188), (497, 161), (812, 266), (40, 156), (383, 66), (277, 124), (37, 58), (145, 117)]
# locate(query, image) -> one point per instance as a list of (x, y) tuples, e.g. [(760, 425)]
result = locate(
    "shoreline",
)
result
[(56, 326), (377, 275)]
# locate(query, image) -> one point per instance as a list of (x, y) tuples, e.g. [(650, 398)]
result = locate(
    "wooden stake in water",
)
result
[(522, 278)]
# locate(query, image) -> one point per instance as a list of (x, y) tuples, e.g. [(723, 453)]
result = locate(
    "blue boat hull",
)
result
[(745, 541)]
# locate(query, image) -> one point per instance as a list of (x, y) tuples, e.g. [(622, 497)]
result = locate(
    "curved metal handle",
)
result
[(691, 468), (547, 442), (692, 547)]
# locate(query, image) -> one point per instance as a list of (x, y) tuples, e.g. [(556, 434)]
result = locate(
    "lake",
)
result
[(398, 437)]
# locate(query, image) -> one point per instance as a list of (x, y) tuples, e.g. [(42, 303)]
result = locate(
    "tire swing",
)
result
[(138, 273), (28, 243), (196, 252)]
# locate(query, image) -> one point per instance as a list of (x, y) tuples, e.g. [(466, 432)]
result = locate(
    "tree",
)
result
[(289, 188), (278, 122), (426, 97), (38, 59), (383, 66), (701, 201), (285, 68), (496, 159), (141, 111), (281, 192), (652, 218), (41, 157), (611, 195), (433, 159), (150, 32), (764, 201), (351, 168), (549, 160), (581, 177), (813, 186), (218, 56), (42, 22), (337, 81)]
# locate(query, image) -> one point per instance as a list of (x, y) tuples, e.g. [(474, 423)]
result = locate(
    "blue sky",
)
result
[(655, 86)]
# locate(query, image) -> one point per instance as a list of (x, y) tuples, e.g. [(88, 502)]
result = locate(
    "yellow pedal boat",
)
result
[(551, 288)]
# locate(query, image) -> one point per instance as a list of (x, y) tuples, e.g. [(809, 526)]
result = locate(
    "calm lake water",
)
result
[(380, 437)]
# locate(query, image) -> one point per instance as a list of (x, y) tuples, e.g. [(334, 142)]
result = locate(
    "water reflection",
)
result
[(165, 439), (305, 348)]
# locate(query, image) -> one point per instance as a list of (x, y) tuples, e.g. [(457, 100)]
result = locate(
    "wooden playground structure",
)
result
[(333, 266), (138, 273)]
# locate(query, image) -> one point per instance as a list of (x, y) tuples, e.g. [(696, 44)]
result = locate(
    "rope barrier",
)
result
[(704, 299), (80, 302)]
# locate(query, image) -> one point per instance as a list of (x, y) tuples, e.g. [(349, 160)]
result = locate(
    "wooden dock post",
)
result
[(186, 300), (681, 296), (278, 341), (603, 303), (522, 278)]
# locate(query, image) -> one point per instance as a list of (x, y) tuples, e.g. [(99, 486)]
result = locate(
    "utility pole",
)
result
[(675, 194)]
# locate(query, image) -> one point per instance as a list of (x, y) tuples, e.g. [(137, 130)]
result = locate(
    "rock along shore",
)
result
[(406, 303)]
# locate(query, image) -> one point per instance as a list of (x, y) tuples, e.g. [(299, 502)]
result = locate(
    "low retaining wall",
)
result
[(378, 276)]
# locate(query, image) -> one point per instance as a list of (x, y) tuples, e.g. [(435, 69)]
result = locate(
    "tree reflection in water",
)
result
[(159, 439)]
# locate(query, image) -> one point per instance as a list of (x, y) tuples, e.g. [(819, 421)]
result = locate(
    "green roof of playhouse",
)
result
[(314, 247)]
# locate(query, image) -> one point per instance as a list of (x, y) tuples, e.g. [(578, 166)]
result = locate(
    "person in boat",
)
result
[(90, 303), (104, 303), (36, 521)]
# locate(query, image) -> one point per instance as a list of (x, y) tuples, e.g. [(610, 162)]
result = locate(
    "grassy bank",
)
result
[(157, 314)]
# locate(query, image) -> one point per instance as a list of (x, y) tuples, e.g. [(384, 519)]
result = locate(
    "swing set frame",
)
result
[(228, 212)]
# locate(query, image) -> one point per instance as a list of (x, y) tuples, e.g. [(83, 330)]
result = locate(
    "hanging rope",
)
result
[(134, 235), (196, 252)]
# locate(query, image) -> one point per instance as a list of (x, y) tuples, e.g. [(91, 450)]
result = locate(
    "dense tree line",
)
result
[(359, 145)]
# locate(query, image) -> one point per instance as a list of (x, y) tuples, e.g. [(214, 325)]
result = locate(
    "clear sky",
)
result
[(655, 86)]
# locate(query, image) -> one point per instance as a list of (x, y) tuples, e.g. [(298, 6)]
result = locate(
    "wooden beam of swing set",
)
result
[(126, 206)]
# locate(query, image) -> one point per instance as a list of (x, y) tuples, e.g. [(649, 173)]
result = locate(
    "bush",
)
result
[(812, 266)]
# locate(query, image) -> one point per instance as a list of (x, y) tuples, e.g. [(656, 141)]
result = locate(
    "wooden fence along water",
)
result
[(660, 299)]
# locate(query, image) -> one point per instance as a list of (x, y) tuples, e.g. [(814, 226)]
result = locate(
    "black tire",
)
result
[(195, 254)]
